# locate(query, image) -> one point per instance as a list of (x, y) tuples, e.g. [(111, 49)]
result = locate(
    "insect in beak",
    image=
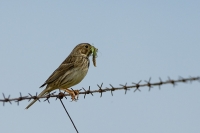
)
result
[(94, 55)]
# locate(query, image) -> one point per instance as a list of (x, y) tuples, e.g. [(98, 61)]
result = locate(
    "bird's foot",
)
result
[(73, 93)]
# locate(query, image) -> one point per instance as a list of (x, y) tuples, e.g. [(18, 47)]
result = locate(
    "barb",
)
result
[(136, 86)]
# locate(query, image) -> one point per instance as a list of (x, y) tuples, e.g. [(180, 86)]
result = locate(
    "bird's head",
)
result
[(84, 49)]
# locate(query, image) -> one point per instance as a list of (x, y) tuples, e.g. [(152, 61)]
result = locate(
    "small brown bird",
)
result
[(71, 72)]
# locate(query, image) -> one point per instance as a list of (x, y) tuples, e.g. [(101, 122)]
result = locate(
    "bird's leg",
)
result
[(73, 93)]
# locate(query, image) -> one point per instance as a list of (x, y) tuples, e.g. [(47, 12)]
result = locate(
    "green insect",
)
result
[(94, 55)]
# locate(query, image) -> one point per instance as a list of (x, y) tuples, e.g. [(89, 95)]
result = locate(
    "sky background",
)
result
[(136, 40)]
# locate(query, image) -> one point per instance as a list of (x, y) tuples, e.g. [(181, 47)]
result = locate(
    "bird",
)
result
[(70, 72)]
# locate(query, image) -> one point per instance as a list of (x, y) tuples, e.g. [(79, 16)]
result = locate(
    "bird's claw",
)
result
[(73, 93)]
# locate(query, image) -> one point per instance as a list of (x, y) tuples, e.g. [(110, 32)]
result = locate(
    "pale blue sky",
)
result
[(136, 40)]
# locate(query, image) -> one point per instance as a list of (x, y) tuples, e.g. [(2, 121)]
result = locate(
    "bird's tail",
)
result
[(45, 91)]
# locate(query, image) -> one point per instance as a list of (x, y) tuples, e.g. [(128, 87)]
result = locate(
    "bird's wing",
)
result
[(61, 70)]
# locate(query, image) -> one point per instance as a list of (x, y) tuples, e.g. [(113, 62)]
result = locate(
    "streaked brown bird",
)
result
[(71, 71)]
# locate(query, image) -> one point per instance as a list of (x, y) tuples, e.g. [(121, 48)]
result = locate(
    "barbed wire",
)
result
[(136, 86)]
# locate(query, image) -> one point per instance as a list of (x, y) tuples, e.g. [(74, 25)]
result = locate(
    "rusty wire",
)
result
[(137, 86)]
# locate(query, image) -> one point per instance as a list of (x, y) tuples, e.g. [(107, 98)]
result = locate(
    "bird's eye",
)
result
[(86, 46)]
